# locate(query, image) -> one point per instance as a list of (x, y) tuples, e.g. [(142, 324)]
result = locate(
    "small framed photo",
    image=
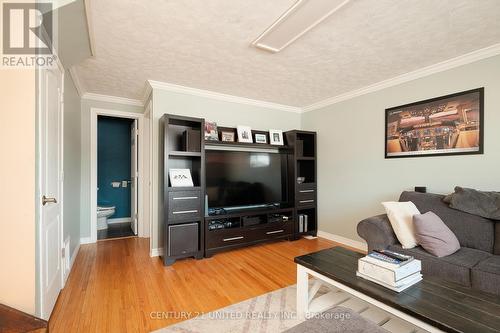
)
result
[(244, 134), (211, 131), (227, 136), (180, 178), (276, 137), (260, 138)]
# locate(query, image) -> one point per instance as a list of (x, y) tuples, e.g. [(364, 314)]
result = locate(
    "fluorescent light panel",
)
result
[(295, 22)]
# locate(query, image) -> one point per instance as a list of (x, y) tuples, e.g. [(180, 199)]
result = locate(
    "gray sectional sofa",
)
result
[(476, 264)]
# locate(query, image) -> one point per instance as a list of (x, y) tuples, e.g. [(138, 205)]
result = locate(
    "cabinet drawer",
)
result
[(306, 186), (275, 230), (184, 205), (220, 238), (306, 194), (306, 202)]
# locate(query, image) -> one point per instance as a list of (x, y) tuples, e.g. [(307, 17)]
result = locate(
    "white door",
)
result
[(134, 174), (50, 146)]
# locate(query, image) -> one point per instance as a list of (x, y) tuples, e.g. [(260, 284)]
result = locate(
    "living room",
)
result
[(279, 152)]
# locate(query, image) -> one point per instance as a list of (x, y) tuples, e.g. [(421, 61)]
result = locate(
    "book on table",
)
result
[(390, 269)]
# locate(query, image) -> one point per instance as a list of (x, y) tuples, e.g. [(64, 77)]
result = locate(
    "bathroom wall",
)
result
[(113, 163)]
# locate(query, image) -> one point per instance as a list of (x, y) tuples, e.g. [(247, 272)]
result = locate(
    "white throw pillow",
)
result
[(401, 217)]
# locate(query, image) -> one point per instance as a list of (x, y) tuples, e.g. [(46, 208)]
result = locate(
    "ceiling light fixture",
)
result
[(295, 22)]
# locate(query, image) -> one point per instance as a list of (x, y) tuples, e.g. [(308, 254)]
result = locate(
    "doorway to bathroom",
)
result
[(116, 177), (118, 187)]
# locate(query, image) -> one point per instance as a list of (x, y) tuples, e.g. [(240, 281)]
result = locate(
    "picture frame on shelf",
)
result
[(260, 138), (276, 137), (211, 131), (180, 178), (244, 134), (227, 136)]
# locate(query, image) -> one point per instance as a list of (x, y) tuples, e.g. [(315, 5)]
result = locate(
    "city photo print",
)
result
[(447, 125)]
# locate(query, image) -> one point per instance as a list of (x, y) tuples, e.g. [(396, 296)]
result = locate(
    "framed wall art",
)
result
[(447, 125)]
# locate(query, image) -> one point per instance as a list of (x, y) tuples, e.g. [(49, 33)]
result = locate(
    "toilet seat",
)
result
[(105, 208)]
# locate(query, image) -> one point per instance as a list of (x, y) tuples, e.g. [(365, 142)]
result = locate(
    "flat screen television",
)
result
[(241, 179)]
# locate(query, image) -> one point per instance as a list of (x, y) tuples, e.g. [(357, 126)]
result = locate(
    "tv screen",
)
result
[(236, 178)]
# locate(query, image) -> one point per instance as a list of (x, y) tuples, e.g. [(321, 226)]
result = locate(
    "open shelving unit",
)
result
[(303, 163), (183, 148)]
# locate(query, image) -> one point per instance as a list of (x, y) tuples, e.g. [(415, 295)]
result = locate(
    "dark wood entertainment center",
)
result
[(189, 231)]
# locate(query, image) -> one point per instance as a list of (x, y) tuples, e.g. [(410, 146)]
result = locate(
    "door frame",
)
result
[(148, 117), (94, 113), (39, 179)]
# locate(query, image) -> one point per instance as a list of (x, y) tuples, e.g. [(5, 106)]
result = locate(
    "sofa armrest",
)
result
[(377, 232)]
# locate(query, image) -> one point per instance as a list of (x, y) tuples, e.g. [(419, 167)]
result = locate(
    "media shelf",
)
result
[(230, 231), (182, 147), (188, 232), (302, 179)]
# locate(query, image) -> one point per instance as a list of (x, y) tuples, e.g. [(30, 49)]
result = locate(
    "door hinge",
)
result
[(63, 252)]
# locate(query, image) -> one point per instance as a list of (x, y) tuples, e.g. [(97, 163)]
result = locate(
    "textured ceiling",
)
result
[(206, 45)]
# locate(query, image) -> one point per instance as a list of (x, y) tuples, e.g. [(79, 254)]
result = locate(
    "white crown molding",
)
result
[(465, 59), (80, 88), (90, 29), (112, 99), (218, 96), (146, 92)]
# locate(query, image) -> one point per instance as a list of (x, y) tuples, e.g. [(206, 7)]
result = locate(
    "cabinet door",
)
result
[(182, 239)]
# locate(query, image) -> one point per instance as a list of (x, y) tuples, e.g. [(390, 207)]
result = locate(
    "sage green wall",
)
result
[(72, 143), (224, 113), (353, 176)]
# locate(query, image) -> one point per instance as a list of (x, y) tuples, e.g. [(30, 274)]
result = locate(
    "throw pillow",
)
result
[(434, 236), (401, 217), (484, 204)]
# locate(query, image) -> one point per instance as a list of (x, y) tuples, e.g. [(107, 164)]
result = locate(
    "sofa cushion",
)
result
[(472, 231), (455, 267), (434, 236), (496, 250), (485, 204), (486, 275)]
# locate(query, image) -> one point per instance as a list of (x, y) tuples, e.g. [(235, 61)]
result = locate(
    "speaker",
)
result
[(421, 189), (182, 239), (191, 140)]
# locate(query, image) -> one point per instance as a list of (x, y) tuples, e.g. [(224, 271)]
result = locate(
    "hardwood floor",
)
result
[(116, 287)]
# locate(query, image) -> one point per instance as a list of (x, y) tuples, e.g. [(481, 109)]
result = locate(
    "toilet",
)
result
[(103, 213)]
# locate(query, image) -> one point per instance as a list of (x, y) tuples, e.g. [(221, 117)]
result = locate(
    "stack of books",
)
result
[(390, 269)]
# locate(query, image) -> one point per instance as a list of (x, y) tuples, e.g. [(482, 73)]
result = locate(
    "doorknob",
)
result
[(46, 200)]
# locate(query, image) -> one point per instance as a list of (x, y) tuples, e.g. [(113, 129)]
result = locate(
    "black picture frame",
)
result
[(390, 112)]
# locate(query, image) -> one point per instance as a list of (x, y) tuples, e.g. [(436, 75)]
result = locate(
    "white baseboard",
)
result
[(120, 220), (86, 240), (156, 252), (343, 240), (73, 257), (71, 262)]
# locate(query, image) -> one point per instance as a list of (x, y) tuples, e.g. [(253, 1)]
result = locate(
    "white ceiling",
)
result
[(206, 45)]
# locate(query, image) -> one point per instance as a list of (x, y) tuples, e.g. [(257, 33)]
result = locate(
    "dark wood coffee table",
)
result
[(432, 305)]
